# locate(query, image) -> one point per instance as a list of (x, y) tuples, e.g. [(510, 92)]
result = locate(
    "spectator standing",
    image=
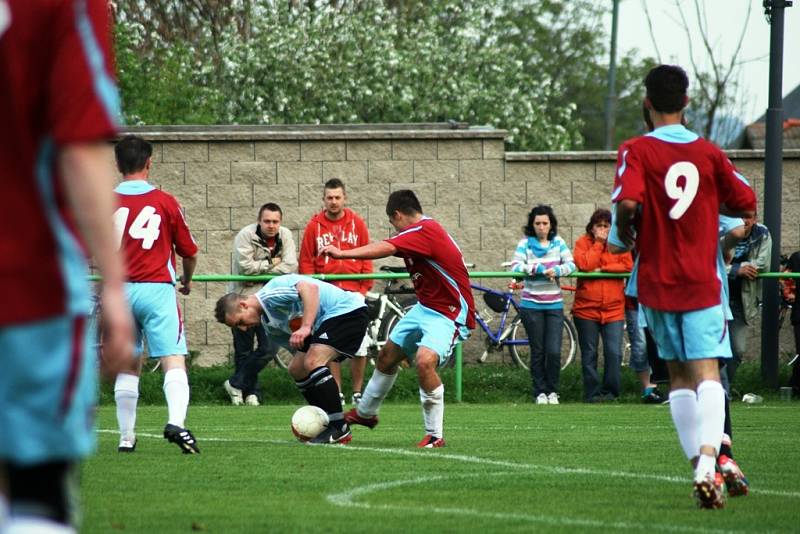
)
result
[(341, 227), (545, 257), (599, 308), (263, 247), (790, 294), (640, 358), (750, 257)]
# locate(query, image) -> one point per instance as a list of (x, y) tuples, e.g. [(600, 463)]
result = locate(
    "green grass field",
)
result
[(506, 468)]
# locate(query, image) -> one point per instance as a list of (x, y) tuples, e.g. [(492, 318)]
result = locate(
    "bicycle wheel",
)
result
[(521, 353)]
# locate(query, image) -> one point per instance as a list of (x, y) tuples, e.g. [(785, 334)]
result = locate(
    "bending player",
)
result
[(681, 183), (331, 326), (429, 331), (151, 229)]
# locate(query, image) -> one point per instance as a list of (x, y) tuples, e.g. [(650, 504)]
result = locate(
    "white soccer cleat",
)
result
[(234, 393)]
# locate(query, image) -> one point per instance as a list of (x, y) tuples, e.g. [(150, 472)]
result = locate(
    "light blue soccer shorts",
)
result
[(692, 335), (158, 318), (48, 390), (425, 327)]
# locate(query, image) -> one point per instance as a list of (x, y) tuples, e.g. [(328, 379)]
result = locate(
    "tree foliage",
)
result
[(532, 68)]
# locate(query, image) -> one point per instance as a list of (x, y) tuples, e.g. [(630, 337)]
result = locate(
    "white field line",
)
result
[(347, 499), (439, 455)]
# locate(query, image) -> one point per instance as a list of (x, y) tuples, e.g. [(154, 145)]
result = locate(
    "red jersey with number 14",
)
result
[(151, 228), (437, 270), (680, 180)]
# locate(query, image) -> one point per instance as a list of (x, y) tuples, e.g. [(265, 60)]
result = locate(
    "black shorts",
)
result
[(343, 332)]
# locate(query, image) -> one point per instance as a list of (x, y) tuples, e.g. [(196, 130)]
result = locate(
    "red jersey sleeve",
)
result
[(733, 191), (412, 242), (185, 244), (630, 175), (83, 102)]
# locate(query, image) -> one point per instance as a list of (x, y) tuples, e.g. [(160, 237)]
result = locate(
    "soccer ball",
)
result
[(308, 422)]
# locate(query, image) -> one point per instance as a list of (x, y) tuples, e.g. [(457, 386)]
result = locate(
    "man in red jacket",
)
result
[(342, 227)]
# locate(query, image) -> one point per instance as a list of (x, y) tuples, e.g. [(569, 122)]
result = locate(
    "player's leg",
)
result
[(638, 358), (336, 372), (431, 396), (126, 399), (358, 366), (46, 432), (166, 339)]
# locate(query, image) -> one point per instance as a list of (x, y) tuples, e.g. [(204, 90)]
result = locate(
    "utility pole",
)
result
[(611, 99), (773, 175)]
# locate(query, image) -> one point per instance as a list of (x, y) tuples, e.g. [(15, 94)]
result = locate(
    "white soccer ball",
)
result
[(308, 422)]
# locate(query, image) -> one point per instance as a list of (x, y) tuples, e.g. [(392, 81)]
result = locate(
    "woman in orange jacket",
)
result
[(599, 308)]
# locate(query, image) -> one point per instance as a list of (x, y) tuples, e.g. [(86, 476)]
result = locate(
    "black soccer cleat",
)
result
[(126, 445), (333, 435), (181, 437)]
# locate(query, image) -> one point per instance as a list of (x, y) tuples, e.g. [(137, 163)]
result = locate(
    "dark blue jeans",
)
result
[(249, 361), (544, 329), (589, 332)]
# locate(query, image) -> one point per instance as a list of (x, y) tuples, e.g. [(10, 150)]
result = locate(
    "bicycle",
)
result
[(511, 334), (384, 310)]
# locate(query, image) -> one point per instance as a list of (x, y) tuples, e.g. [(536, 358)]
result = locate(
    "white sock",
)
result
[(377, 388), (36, 525), (706, 465), (711, 413), (126, 396), (683, 407), (176, 391), (433, 410)]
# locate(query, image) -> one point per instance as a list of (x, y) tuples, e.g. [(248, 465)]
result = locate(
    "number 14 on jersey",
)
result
[(146, 226)]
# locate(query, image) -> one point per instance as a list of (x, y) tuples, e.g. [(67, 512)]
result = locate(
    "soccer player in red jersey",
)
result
[(682, 182), (151, 229), (443, 316), (59, 107)]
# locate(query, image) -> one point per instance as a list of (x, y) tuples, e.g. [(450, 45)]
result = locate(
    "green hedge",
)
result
[(481, 384)]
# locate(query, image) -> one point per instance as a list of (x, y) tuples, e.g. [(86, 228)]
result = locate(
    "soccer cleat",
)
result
[(735, 481), (127, 445), (252, 400), (356, 398), (541, 399), (181, 437), (652, 396), (708, 491), (333, 435), (341, 397), (552, 398), (354, 418), (431, 442), (235, 393)]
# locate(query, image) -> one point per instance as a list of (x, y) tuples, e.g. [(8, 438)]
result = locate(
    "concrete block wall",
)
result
[(463, 177)]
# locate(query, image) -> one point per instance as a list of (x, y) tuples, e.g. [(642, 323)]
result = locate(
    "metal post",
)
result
[(459, 362), (611, 99), (773, 168)]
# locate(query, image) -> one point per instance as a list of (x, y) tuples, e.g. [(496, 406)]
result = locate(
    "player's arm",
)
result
[(375, 250), (309, 295), (89, 187), (189, 265), (625, 213)]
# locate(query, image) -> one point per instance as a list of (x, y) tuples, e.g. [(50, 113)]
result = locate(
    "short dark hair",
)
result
[(225, 306), (269, 206), (404, 201), (646, 116), (334, 183), (541, 209), (132, 153), (666, 88), (599, 215)]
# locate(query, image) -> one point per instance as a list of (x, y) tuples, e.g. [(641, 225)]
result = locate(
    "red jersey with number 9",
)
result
[(680, 181), (151, 228)]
